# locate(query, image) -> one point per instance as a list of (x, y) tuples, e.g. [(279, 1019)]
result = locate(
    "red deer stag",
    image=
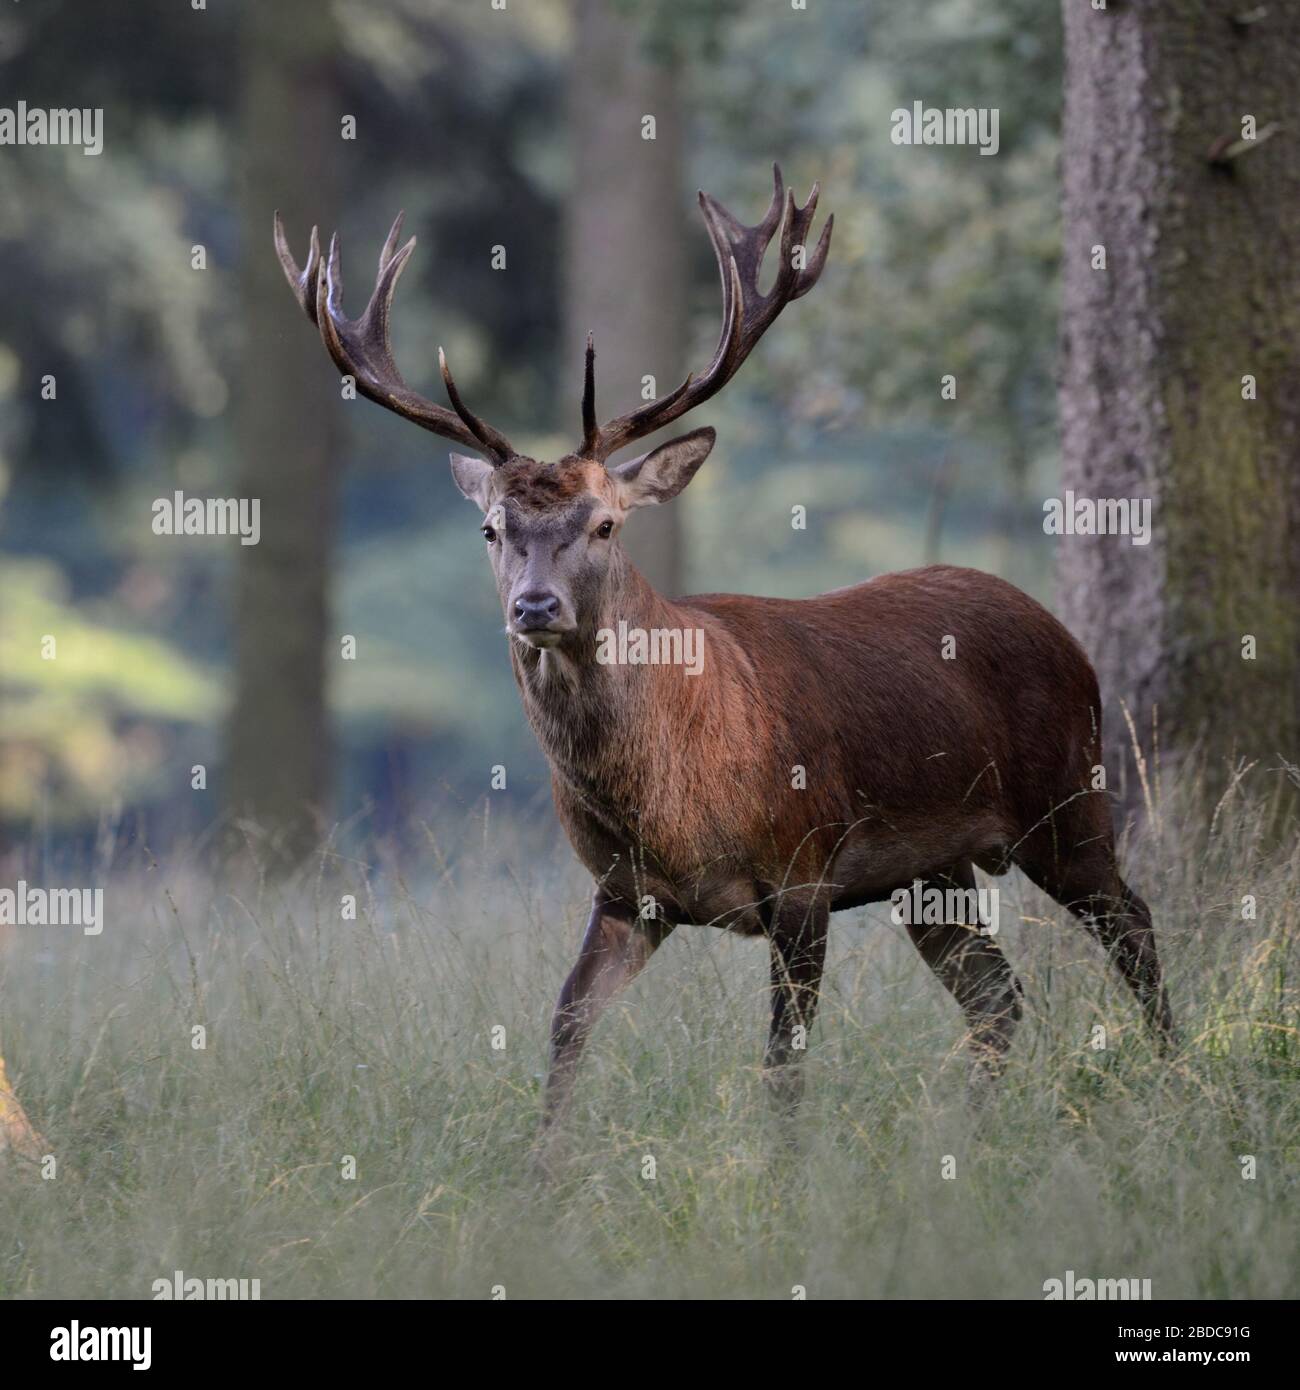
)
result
[(822, 755)]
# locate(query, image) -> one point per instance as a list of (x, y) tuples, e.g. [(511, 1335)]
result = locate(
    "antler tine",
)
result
[(799, 220), (301, 282), (589, 426), (731, 237), (816, 263), (746, 313), (662, 411), (488, 438), (390, 242), (361, 347)]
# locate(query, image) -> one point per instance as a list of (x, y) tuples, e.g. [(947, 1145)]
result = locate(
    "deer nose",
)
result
[(536, 609)]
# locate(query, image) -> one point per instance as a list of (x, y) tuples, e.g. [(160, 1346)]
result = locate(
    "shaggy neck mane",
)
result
[(614, 733)]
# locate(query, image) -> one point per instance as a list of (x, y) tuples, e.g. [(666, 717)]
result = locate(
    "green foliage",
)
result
[(943, 261), (87, 724), (683, 31)]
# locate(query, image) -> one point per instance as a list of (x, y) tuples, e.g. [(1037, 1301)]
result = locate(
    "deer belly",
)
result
[(731, 902), (871, 864)]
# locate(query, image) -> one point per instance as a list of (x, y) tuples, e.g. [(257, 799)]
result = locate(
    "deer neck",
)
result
[(599, 721)]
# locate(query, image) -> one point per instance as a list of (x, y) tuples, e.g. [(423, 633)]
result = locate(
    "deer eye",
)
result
[(489, 534), (605, 530)]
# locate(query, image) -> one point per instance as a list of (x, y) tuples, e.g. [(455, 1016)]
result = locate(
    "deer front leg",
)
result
[(616, 945), (797, 938)]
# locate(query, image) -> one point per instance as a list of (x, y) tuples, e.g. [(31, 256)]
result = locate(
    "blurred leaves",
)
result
[(87, 726), (943, 261)]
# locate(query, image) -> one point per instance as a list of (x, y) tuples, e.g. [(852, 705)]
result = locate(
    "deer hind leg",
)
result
[(797, 942), (1072, 859), (615, 947), (972, 967)]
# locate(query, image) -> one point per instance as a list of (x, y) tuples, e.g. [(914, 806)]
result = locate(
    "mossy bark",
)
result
[(1201, 289)]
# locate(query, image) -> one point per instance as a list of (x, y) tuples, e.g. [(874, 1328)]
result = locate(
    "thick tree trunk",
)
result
[(1201, 288), (625, 261), (288, 444)]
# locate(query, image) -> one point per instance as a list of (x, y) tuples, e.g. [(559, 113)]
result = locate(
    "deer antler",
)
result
[(361, 349), (746, 314)]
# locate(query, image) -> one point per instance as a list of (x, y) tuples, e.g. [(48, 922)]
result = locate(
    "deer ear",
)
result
[(662, 473), (472, 477)]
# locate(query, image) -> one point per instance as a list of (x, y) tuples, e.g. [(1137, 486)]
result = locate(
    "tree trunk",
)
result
[(287, 438), (1201, 288), (625, 261)]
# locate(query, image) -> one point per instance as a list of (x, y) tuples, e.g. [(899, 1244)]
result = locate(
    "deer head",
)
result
[(552, 529)]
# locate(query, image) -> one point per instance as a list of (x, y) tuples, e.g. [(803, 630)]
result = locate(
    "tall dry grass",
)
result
[(328, 1038)]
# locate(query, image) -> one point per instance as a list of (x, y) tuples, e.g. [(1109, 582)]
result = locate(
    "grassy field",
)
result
[(374, 1038)]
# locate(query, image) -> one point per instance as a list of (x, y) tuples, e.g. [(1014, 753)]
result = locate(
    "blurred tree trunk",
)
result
[(625, 258), (278, 764), (1201, 288)]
